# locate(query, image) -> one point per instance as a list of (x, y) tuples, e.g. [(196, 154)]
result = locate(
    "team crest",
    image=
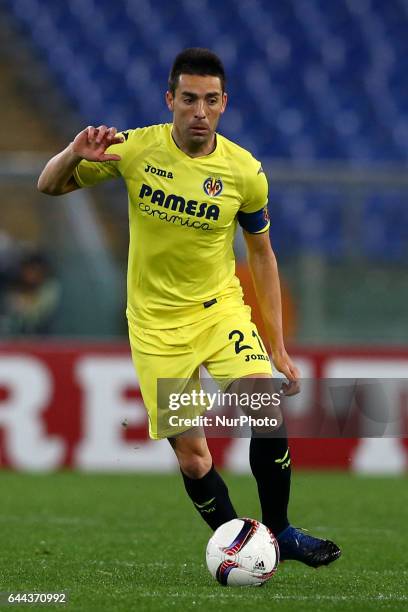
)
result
[(213, 186)]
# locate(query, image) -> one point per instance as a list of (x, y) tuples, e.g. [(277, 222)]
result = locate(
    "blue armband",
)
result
[(254, 222)]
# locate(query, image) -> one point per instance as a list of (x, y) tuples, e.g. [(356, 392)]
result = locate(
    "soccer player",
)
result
[(188, 187)]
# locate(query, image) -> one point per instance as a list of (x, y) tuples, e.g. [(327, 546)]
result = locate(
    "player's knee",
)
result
[(195, 465)]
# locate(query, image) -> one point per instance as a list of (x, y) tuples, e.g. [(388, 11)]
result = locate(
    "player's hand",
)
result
[(92, 142), (284, 364)]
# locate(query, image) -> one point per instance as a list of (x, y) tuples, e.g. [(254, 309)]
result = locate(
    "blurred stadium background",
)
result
[(318, 92)]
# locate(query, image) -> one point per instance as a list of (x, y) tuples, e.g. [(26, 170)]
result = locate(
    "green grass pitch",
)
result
[(134, 542)]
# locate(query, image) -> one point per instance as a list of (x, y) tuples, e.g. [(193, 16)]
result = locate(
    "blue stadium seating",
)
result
[(308, 80)]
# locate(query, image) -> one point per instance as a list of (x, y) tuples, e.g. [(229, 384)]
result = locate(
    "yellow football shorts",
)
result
[(227, 344)]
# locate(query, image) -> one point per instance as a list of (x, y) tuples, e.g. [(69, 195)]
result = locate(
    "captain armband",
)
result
[(255, 222)]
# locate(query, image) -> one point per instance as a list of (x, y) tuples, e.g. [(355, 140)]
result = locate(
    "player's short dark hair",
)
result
[(196, 61)]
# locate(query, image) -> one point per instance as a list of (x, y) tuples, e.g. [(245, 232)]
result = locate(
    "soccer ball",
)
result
[(242, 552)]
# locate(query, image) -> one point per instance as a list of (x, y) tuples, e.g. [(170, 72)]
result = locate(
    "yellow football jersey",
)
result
[(183, 215)]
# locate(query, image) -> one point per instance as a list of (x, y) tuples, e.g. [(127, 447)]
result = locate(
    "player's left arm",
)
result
[(264, 270), (254, 219)]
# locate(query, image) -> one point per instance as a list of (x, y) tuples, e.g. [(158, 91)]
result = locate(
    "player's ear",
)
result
[(170, 101), (224, 102)]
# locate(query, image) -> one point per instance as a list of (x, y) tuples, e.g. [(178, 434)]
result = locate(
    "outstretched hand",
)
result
[(92, 142)]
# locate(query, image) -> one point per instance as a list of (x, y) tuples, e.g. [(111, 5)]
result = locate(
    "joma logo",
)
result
[(158, 171)]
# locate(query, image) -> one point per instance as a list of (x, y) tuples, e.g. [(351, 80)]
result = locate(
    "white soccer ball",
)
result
[(242, 552)]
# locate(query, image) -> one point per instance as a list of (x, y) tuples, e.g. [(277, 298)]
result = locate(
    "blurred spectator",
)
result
[(8, 254), (31, 301)]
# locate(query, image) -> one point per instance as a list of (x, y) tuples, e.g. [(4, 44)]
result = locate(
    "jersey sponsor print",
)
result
[(183, 214)]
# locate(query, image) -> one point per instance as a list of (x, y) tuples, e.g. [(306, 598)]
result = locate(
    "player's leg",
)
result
[(239, 354), (239, 357), (270, 463), (203, 484), (269, 457), (164, 358)]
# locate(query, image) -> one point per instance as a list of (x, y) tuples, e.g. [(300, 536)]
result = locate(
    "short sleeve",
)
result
[(89, 173), (253, 215)]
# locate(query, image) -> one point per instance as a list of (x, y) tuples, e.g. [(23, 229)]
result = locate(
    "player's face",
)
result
[(197, 105)]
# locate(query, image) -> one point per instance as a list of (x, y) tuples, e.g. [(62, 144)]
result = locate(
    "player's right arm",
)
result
[(57, 178)]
